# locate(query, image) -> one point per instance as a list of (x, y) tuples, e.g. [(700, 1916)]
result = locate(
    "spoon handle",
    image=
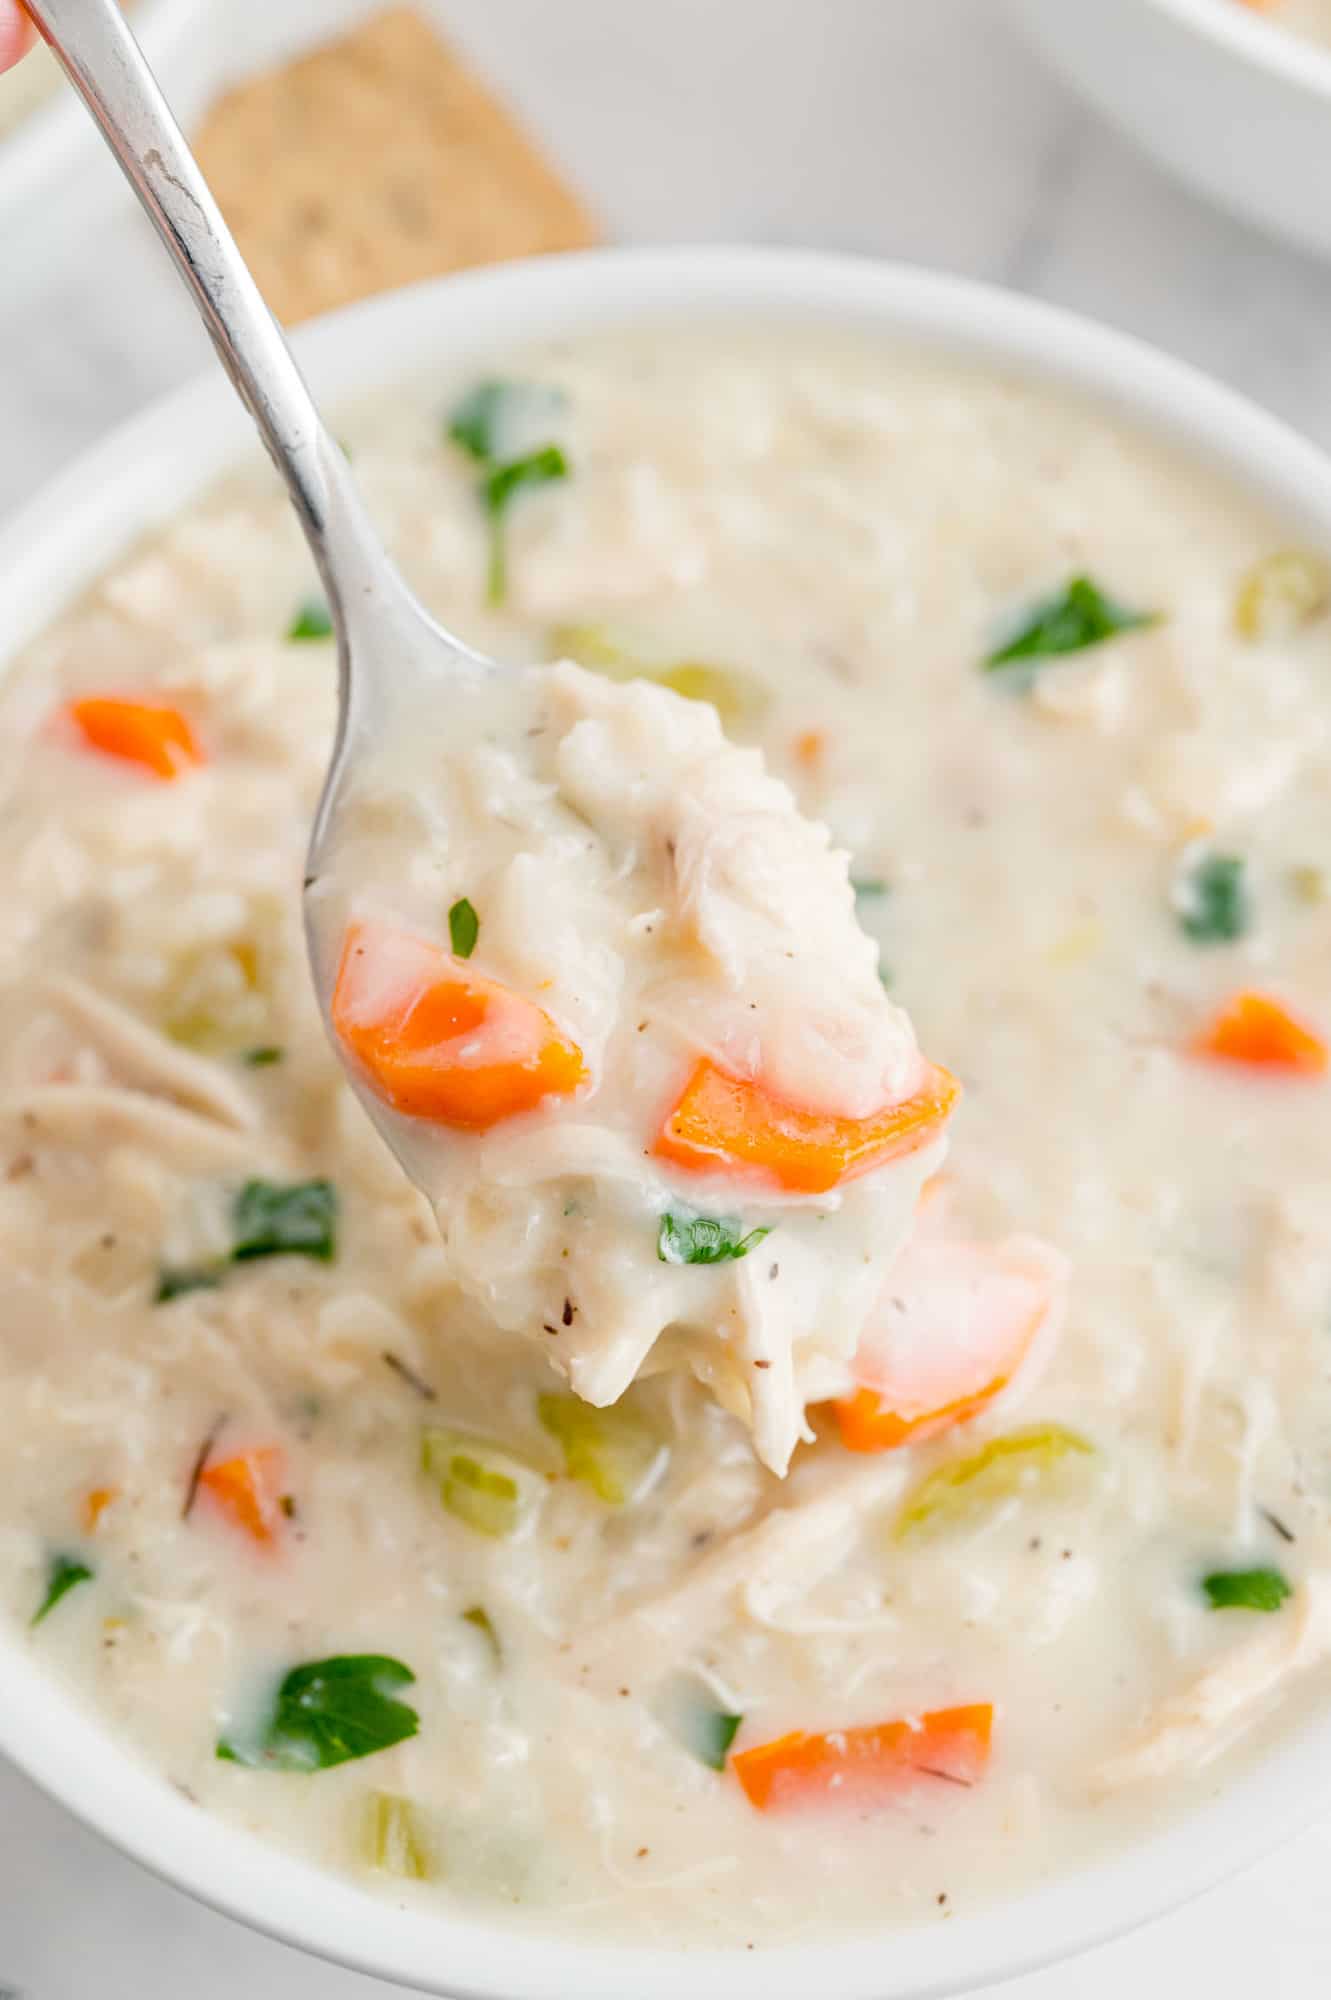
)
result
[(106, 67)]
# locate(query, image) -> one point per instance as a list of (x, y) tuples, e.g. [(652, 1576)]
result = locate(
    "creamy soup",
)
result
[(300, 1500)]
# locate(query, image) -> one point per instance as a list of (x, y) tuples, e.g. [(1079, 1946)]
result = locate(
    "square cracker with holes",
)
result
[(375, 160)]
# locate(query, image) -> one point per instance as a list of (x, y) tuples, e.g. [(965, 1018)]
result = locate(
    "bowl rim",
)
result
[(1256, 38), (135, 479)]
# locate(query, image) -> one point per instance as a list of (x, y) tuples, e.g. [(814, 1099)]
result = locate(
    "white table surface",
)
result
[(917, 129)]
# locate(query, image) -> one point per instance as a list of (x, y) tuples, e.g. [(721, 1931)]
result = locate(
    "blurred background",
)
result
[(354, 147)]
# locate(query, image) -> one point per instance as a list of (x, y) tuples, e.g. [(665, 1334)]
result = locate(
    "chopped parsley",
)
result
[(1211, 898), (1078, 616), (313, 620), (487, 425), (1246, 1589), (464, 927), (866, 886), (330, 1712), (262, 1058), (62, 1574), (174, 1281), (704, 1239), (275, 1218), (691, 1714)]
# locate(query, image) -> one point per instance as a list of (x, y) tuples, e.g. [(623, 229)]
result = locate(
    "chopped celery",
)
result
[(690, 1713), (216, 1000), (614, 1451), (1282, 592), (397, 1838), (476, 1480), (1007, 1465), (1310, 883), (736, 697)]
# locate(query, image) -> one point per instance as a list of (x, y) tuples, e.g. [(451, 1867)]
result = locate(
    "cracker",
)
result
[(375, 160)]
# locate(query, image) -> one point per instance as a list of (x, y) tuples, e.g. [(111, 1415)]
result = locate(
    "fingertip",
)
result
[(15, 33)]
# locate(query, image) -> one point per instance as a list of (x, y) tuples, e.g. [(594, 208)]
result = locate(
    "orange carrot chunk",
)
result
[(437, 1041), (248, 1489), (95, 1504), (952, 1328), (868, 1766), (1260, 1032), (723, 1122), (158, 739)]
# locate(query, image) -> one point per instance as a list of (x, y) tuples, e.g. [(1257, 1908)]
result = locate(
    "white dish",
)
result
[(1236, 105), (135, 481)]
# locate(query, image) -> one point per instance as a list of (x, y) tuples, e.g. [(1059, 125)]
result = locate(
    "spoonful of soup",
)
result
[(597, 981)]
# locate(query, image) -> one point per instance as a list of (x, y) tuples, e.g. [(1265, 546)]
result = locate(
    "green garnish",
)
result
[(478, 1616), (1246, 1589), (262, 1058), (312, 621), (475, 1479), (1211, 898), (464, 927), (397, 1838), (62, 1573), (173, 1283), (704, 1239), (475, 421), (690, 1713), (1078, 616), (485, 425), (539, 468), (868, 885), (614, 1451), (273, 1219), (329, 1712)]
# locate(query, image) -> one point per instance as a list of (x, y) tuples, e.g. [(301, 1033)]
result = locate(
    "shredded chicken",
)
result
[(1195, 1724), (96, 1117), (146, 1060)]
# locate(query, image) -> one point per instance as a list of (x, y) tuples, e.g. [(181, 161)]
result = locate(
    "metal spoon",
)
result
[(390, 651)]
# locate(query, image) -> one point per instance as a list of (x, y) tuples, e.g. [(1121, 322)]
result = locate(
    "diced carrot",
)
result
[(95, 1504), (1260, 1032), (870, 1765), (160, 739), (952, 1328), (723, 1122), (248, 1488), (809, 747), (437, 1041)]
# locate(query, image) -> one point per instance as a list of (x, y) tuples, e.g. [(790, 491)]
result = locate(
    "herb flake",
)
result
[(1212, 900), (173, 1282), (296, 1218), (464, 927), (487, 425), (704, 1239), (313, 620), (63, 1572), (331, 1712), (1078, 616), (1262, 1589), (263, 1057)]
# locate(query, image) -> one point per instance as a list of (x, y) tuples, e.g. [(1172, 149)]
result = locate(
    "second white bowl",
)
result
[(1231, 102)]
